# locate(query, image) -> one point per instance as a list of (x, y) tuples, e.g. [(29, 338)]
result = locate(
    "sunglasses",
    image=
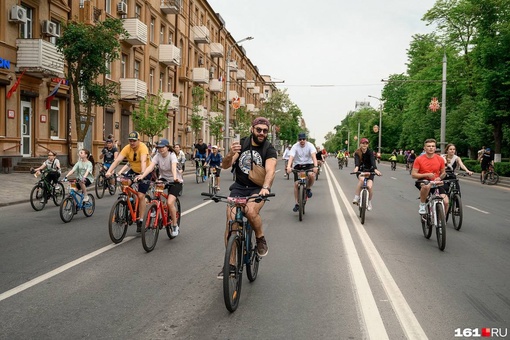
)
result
[(302, 139), (259, 130), (134, 157)]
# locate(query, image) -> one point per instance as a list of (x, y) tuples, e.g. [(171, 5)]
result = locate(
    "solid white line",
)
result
[(74, 263), (482, 211), (372, 320), (403, 311)]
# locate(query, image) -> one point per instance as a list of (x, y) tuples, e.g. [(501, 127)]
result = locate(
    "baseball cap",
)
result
[(109, 141), (364, 140), (214, 147), (260, 120), (488, 149), (302, 135), (134, 135), (162, 143)]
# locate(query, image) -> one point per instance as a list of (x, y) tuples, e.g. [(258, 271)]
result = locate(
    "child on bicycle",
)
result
[(364, 160), (52, 164), (83, 169), (214, 159)]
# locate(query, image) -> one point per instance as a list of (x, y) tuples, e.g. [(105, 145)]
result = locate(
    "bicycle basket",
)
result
[(302, 174), (159, 187)]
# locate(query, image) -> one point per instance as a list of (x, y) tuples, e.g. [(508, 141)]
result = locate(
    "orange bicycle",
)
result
[(158, 216)]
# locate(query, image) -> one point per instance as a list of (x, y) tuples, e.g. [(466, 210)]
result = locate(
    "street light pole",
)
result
[(380, 121), (227, 105)]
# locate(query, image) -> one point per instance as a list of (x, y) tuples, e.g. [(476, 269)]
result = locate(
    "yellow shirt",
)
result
[(134, 161)]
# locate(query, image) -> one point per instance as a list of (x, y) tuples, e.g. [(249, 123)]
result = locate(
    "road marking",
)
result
[(479, 210), (74, 263), (404, 313)]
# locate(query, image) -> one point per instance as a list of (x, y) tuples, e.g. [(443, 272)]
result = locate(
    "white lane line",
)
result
[(405, 315), (372, 320), (479, 210), (74, 263)]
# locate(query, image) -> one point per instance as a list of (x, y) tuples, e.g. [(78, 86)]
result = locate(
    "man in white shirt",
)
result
[(303, 156), (285, 157)]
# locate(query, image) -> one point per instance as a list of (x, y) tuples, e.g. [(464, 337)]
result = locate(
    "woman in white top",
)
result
[(181, 157), (453, 163)]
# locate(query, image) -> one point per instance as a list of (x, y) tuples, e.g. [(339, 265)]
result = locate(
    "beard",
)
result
[(255, 139)]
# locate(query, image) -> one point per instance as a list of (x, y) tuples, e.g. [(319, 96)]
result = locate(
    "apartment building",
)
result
[(173, 46)]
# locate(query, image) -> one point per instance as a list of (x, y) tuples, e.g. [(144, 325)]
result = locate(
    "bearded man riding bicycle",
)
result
[(364, 160)]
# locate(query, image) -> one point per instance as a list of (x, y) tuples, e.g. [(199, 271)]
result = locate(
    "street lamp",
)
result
[(380, 120), (227, 109), (348, 136)]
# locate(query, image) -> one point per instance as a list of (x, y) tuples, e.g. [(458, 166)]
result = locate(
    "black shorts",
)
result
[(174, 189), (238, 190), (371, 177), (301, 167), (79, 183), (142, 187), (442, 189)]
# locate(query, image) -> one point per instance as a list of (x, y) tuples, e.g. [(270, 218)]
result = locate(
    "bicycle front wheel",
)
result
[(232, 272), (150, 230), (301, 201), (118, 223), (440, 227), (363, 205), (100, 186), (456, 211), (112, 188), (491, 178), (38, 198), (252, 268), (67, 209), (58, 193), (90, 206), (197, 175), (425, 226)]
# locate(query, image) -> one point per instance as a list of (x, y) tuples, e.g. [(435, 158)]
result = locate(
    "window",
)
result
[(136, 75), (108, 6), (123, 64), (161, 79), (170, 37), (26, 30), (138, 11), (151, 80), (108, 65), (162, 34), (170, 81), (152, 28), (53, 40), (54, 121)]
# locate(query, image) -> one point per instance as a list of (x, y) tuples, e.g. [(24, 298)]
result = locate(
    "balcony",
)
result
[(39, 57), (169, 55), (232, 64), (170, 6), (215, 85), (173, 98), (232, 94), (243, 101), (250, 84), (250, 107), (241, 74), (216, 50), (200, 34), (200, 75), (137, 31), (255, 90), (132, 89), (202, 111)]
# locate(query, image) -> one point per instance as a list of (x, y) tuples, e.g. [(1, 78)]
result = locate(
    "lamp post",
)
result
[(348, 136), (380, 120), (227, 108)]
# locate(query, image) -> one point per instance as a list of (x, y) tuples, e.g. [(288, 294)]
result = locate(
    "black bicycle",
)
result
[(241, 248), (363, 195), (102, 183), (491, 177), (455, 202), (302, 179), (44, 190)]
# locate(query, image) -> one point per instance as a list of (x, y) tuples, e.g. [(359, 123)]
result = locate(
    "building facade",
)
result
[(173, 46)]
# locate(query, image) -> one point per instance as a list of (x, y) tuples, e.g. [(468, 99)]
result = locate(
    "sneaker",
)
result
[(217, 188), (232, 271), (42, 200), (296, 208), (261, 246), (422, 210), (153, 213), (86, 199), (174, 231), (355, 200), (112, 187), (309, 193), (369, 207), (139, 226)]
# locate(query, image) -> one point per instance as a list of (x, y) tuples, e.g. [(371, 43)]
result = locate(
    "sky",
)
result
[(329, 53)]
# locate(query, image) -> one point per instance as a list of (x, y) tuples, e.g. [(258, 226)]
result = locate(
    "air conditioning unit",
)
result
[(50, 28), (122, 8), (18, 14)]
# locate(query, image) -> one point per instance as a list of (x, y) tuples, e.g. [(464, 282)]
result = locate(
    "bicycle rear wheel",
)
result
[(67, 209), (301, 201), (232, 272), (456, 211), (177, 206), (491, 178), (38, 197), (425, 226), (440, 227), (58, 193), (150, 230), (252, 268), (118, 223), (363, 205), (90, 206), (100, 185), (112, 188)]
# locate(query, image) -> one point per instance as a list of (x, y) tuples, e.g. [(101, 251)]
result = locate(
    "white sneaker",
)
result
[(369, 207), (86, 198), (422, 210), (355, 200), (174, 230)]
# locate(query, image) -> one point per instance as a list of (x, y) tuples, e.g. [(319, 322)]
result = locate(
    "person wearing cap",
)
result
[(200, 152), (485, 162), (108, 154), (167, 162), (364, 160), (303, 156), (257, 149), (137, 154), (429, 166), (214, 160)]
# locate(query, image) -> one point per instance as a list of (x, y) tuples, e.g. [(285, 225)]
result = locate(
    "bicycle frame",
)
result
[(128, 192), (162, 209), (431, 217)]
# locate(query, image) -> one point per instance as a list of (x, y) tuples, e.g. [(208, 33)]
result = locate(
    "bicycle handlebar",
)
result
[(364, 172), (218, 198)]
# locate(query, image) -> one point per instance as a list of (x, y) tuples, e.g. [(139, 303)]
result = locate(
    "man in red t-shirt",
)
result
[(429, 166)]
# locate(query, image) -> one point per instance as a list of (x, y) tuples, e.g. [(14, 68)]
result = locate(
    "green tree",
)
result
[(197, 93), (151, 117), (216, 125), (242, 121), (87, 50)]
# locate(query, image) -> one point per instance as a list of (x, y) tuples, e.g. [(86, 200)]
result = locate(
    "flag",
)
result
[(15, 86), (52, 95), (220, 79)]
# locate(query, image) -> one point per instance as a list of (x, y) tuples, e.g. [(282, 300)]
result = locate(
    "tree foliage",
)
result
[(151, 117), (216, 125)]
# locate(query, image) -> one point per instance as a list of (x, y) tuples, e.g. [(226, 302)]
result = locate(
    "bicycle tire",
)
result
[(232, 282), (252, 266), (67, 209), (37, 194), (150, 230), (177, 205), (58, 193), (440, 227), (456, 211), (491, 178), (363, 205), (118, 221), (425, 226), (90, 206), (301, 201), (112, 188), (100, 185)]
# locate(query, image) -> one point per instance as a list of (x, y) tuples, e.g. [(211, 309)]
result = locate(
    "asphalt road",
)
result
[(326, 277)]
